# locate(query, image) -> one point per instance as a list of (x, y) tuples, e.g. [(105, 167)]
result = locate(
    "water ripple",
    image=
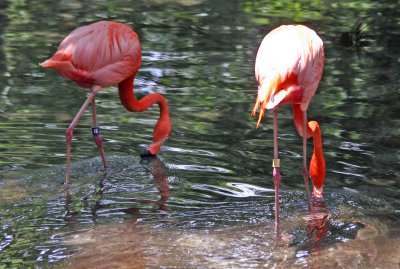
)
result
[(202, 168), (239, 190)]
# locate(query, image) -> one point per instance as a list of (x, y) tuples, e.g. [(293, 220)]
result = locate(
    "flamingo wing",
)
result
[(103, 53)]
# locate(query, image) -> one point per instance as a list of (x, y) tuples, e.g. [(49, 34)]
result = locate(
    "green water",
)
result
[(207, 200)]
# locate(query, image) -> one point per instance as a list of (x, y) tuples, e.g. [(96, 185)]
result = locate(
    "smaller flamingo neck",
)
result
[(163, 127), (317, 164)]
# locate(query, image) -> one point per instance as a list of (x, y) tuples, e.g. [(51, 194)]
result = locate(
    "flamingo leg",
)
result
[(69, 134), (276, 174), (306, 174), (96, 135)]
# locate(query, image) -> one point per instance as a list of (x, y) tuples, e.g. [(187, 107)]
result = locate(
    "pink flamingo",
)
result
[(100, 55), (288, 69)]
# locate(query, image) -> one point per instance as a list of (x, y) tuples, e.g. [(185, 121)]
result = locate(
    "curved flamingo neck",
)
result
[(317, 164), (163, 127), (128, 100)]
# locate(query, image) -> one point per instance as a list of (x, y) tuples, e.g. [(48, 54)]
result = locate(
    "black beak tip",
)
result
[(146, 153)]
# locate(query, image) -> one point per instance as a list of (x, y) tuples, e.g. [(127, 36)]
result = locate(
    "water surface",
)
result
[(208, 198)]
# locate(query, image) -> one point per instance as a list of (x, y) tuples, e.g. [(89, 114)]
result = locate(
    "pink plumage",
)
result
[(288, 67), (103, 53), (99, 55)]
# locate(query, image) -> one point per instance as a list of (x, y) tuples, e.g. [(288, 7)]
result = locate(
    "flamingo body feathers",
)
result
[(99, 55), (288, 67), (288, 70), (103, 53)]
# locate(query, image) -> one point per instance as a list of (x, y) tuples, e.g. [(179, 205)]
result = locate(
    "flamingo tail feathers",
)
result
[(266, 89)]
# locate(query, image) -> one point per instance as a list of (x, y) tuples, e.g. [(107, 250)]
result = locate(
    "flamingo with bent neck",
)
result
[(100, 55), (288, 69)]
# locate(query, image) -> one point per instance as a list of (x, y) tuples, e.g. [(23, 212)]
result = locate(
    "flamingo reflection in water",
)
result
[(317, 224), (159, 172)]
